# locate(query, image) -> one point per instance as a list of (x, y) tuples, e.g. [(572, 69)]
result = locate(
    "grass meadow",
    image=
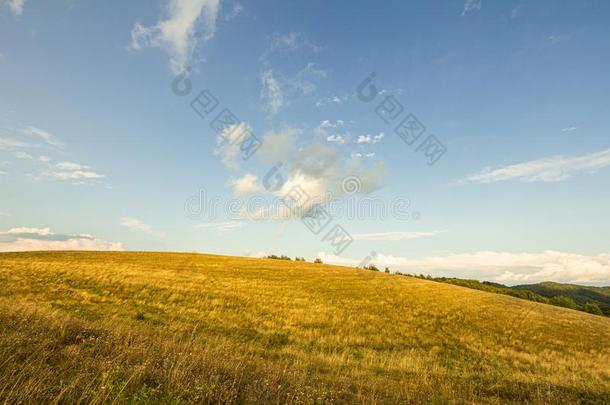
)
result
[(85, 327)]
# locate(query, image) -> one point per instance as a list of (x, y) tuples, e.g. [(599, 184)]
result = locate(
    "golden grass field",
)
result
[(84, 327)]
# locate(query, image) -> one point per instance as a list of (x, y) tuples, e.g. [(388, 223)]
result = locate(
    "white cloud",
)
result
[(556, 168), (70, 166), (504, 267), (36, 239), (248, 184), (319, 171), (177, 34), (337, 138), (259, 254), (370, 139), (16, 6), (358, 155), (36, 231), (221, 226), (336, 99), (329, 124), (569, 129), (327, 129), (393, 236), (471, 5), (136, 225)]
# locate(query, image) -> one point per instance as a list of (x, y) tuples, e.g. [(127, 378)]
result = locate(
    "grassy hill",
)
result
[(161, 327)]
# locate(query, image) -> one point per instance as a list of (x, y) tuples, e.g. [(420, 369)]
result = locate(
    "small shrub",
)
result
[(299, 259), (318, 260), (275, 257)]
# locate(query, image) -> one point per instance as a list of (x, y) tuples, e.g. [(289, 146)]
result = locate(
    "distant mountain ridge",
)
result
[(595, 300), (580, 294)]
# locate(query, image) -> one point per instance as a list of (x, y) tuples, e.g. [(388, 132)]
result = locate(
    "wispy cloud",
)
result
[(27, 138), (235, 11), (472, 5), (23, 155), (16, 6), (135, 224), (279, 91), (9, 144), (35, 239), (220, 226), (177, 33), (569, 129), (280, 87), (272, 93), (504, 267), (229, 144), (46, 136), (71, 171), (291, 41), (394, 236), (556, 168)]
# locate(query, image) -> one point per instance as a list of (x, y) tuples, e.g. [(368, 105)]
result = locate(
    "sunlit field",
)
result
[(185, 328)]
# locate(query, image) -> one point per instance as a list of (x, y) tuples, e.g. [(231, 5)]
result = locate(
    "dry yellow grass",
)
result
[(183, 328)]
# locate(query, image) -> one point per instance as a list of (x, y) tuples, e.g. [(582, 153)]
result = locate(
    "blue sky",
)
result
[(98, 151)]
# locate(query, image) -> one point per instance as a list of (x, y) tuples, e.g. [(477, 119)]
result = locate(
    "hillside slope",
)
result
[(150, 327)]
